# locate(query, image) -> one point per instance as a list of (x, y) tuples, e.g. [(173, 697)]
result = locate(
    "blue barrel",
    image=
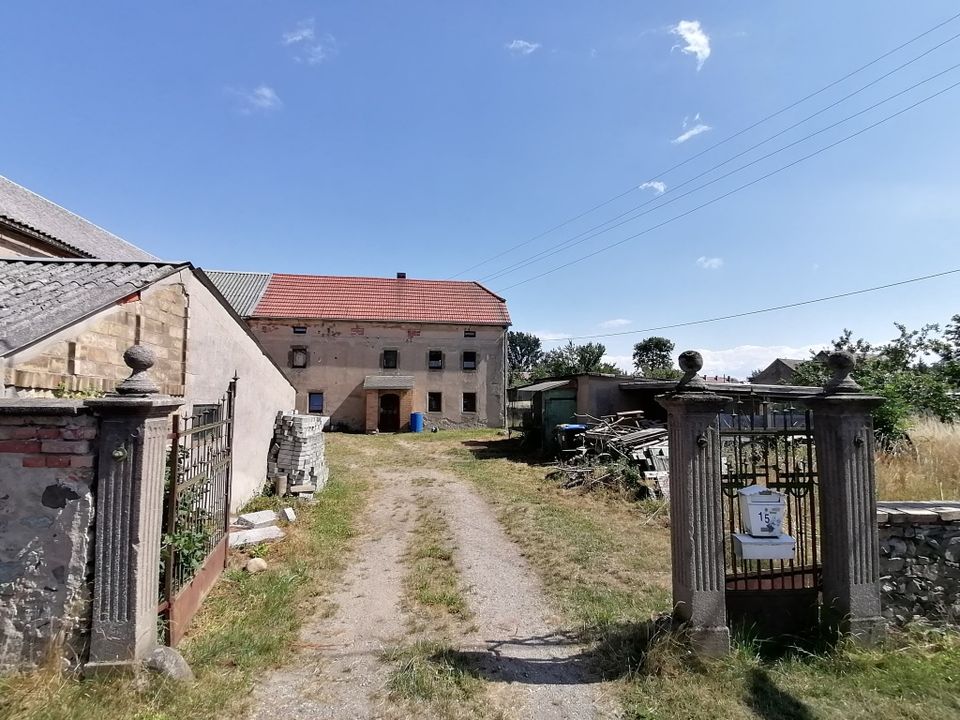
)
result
[(416, 422)]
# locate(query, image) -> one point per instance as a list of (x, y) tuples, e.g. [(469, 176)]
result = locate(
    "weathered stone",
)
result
[(255, 565), (288, 514), (241, 538), (263, 518), (169, 663)]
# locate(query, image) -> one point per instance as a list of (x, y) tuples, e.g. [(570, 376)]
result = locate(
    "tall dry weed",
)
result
[(925, 468)]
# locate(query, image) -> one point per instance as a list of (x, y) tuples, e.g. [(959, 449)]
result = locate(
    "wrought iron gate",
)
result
[(769, 441), (196, 511)]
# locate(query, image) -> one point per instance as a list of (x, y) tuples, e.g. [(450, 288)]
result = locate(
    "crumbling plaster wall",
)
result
[(343, 353), (47, 459)]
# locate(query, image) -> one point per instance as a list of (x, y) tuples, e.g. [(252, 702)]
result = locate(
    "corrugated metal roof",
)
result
[(39, 297), (384, 299), (388, 382), (242, 290), (547, 385), (25, 208)]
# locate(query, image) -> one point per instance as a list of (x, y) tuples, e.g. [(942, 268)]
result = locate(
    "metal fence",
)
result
[(196, 510), (769, 441)]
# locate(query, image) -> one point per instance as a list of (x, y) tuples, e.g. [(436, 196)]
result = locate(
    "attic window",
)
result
[(299, 329), (469, 333)]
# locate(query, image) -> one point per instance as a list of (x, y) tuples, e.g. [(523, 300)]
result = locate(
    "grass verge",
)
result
[(247, 625), (928, 468)]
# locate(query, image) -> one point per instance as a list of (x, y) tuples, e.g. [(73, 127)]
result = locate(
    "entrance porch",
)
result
[(389, 403)]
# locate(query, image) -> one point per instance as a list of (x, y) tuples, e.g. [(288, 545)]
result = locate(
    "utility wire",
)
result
[(773, 308), (714, 146), (590, 233), (579, 239), (736, 189)]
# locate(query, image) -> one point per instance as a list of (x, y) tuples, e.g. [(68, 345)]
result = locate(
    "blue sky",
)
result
[(366, 138)]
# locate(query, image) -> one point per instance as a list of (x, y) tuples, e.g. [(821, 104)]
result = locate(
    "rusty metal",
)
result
[(196, 510)]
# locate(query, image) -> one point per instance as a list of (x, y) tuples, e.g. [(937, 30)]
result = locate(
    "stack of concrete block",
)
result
[(299, 454)]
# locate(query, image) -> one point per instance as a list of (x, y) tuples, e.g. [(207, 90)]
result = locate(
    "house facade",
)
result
[(368, 352)]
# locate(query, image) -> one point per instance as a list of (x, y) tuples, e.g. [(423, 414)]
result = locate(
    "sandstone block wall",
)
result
[(920, 564), (91, 360), (47, 467)]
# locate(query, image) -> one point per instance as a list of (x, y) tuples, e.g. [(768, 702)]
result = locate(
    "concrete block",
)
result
[(260, 519), (288, 514), (240, 538)]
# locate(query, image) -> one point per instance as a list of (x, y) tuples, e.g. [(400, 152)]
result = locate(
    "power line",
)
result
[(580, 238), (714, 146), (773, 308), (734, 190)]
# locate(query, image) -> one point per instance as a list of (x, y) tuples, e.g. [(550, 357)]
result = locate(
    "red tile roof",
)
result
[(387, 299)]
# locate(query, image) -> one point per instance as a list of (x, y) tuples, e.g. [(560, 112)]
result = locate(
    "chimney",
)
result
[(401, 276)]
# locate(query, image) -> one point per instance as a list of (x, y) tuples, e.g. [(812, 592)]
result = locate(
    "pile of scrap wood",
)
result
[(623, 451)]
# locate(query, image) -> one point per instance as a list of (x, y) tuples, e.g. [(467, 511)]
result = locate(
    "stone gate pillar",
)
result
[(134, 424), (696, 509), (849, 547)]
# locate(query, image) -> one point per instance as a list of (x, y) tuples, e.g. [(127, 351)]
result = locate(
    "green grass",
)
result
[(432, 672), (247, 625), (606, 563), (432, 585)]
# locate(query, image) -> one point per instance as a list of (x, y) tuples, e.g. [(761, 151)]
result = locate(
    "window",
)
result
[(299, 357), (315, 403), (299, 329), (435, 359), (469, 402), (434, 402), (389, 360), (469, 333), (469, 360)]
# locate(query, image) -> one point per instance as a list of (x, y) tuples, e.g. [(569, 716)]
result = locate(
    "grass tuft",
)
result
[(925, 468)]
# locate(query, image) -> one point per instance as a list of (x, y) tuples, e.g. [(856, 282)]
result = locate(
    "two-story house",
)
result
[(370, 351)]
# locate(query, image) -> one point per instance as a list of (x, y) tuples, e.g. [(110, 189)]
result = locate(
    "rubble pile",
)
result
[(622, 451), (297, 464)]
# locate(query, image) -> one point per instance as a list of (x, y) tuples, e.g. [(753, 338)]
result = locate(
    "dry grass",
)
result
[(248, 624), (927, 468)]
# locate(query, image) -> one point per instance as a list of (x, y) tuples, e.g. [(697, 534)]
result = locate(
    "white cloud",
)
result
[(710, 263), (615, 323), (692, 132), (304, 32), (697, 41), (309, 48), (742, 360), (262, 98), (522, 47), (656, 185)]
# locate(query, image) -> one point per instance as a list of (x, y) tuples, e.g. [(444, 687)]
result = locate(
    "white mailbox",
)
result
[(762, 511)]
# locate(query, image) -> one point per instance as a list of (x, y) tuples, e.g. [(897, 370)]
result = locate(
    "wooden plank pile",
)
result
[(618, 450)]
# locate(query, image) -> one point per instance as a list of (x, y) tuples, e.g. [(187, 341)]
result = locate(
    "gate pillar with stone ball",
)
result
[(134, 423), (849, 546), (696, 509)]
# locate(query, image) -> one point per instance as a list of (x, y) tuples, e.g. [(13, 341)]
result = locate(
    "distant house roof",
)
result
[(40, 297), (329, 297), (28, 211), (242, 290)]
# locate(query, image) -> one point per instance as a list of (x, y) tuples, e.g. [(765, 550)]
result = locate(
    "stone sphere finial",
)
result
[(841, 364), (139, 359), (691, 362)]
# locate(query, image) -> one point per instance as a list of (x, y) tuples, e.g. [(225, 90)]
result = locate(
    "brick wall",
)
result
[(47, 466), (92, 359)]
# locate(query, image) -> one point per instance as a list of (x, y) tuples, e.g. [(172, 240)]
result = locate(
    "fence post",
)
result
[(849, 547), (696, 508), (134, 422)]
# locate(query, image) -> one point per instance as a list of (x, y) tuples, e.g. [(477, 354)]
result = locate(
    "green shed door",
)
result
[(559, 408)]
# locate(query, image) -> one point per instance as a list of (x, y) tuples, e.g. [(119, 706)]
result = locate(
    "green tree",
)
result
[(573, 359), (524, 353), (653, 357), (913, 372)]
